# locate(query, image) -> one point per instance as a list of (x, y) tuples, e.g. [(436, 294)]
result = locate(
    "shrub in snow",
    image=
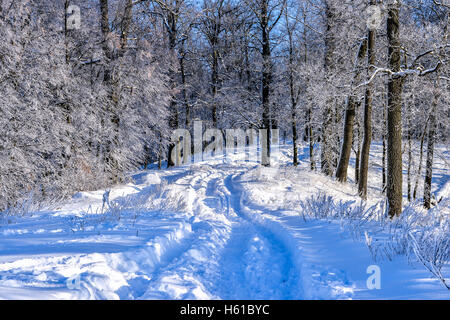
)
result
[(421, 235)]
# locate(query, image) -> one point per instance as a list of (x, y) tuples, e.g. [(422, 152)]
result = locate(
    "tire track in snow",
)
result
[(230, 256), (216, 251), (255, 264), (158, 255), (318, 279), (188, 276)]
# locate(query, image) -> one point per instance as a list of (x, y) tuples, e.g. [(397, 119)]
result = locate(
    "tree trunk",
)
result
[(311, 141), (430, 152), (184, 85), (410, 159), (394, 115), (308, 111), (66, 30), (125, 25), (350, 112), (160, 150), (214, 82), (357, 153), (294, 135), (266, 80), (341, 172), (104, 24), (419, 171), (113, 96), (432, 131), (383, 160), (173, 117), (365, 151), (326, 150), (173, 124), (293, 95)]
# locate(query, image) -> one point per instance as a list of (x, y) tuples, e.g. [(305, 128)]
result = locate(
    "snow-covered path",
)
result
[(255, 264), (216, 230), (238, 258)]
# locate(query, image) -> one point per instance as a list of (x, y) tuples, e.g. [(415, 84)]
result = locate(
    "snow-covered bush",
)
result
[(421, 235)]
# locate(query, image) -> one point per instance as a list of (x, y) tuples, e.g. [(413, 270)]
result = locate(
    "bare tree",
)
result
[(350, 112), (326, 153), (368, 101), (268, 14), (394, 114)]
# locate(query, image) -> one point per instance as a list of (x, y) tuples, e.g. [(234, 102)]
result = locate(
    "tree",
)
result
[(327, 154), (293, 91), (394, 114), (267, 14), (350, 113), (364, 164), (433, 113), (213, 26)]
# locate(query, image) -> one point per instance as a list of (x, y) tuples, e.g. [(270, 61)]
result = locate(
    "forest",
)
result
[(224, 149), (93, 89)]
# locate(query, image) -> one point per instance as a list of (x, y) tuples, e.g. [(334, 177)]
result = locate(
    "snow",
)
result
[(210, 230)]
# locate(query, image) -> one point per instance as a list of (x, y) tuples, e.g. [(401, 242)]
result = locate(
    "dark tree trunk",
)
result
[(266, 80), (419, 171), (113, 97), (173, 117), (383, 160), (408, 174), (66, 30), (293, 95), (432, 132), (214, 83), (357, 153), (183, 86), (125, 25), (104, 24), (349, 119), (311, 141), (173, 124), (212, 29), (365, 151), (326, 152), (337, 139), (294, 136), (430, 153), (394, 115), (160, 151), (309, 127), (341, 172)]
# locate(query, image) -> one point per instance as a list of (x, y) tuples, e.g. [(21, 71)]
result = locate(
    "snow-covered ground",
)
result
[(210, 230)]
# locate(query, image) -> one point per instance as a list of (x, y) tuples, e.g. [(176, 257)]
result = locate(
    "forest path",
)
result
[(229, 256), (255, 263)]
